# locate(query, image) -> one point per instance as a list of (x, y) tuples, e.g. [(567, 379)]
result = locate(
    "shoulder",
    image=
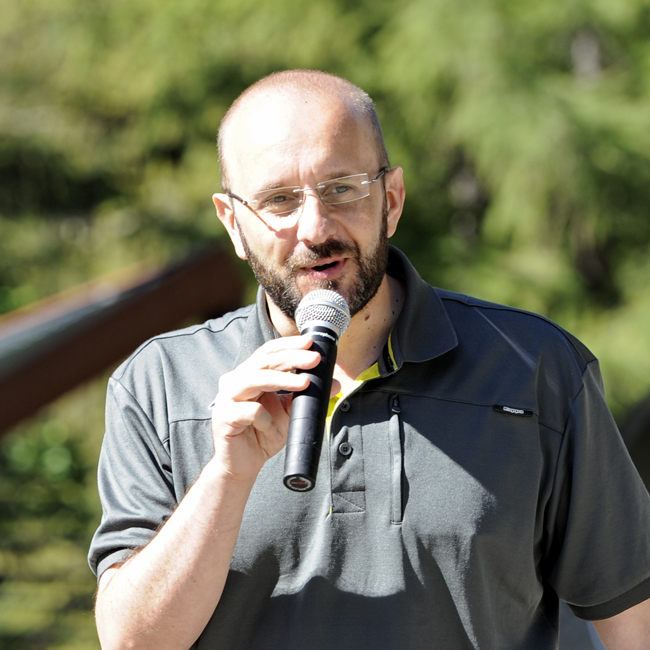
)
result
[(187, 346), (436, 321), (485, 322), (513, 356), (178, 372)]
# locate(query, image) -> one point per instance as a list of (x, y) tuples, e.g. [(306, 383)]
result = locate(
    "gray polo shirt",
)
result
[(481, 479)]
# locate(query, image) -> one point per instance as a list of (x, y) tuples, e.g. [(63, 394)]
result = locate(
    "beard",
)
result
[(281, 285)]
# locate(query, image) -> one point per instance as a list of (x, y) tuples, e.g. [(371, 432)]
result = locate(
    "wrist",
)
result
[(221, 477)]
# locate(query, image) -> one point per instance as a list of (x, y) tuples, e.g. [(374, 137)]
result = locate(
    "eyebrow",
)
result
[(334, 175)]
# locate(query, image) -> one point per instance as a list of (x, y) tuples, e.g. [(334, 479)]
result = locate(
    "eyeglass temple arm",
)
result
[(232, 195), (382, 171)]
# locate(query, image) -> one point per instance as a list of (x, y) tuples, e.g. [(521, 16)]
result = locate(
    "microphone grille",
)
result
[(324, 306)]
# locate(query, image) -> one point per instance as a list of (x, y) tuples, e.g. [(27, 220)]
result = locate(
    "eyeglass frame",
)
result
[(382, 172)]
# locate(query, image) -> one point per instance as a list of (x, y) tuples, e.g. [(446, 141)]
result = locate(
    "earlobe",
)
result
[(227, 217)]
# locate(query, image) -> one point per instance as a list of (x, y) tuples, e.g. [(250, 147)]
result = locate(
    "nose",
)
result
[(315, 224)]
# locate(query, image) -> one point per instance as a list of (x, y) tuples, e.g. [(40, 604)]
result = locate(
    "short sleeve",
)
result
[(599, 516), (134, 479)]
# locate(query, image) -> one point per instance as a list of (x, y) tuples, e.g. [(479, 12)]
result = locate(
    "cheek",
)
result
[(282, 246), (273, 249)]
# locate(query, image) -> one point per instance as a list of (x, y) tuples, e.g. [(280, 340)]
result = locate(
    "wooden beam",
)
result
[(53, 347)]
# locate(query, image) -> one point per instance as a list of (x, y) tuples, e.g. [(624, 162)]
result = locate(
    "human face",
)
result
[(281, 286), (301, 141)]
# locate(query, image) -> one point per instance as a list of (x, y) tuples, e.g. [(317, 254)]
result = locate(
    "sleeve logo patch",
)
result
[(524, 413)]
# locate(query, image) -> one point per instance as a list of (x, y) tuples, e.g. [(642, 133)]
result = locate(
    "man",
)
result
[(471, 473)]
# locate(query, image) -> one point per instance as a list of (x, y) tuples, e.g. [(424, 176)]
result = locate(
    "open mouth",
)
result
[(322, 267)]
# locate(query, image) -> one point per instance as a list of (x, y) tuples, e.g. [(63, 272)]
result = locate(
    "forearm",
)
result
[(163, 597)]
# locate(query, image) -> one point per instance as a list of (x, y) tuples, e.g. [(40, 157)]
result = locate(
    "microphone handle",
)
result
[(308, 415)]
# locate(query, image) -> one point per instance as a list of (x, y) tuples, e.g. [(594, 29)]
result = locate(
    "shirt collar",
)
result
[(423, 330), (258, 329)]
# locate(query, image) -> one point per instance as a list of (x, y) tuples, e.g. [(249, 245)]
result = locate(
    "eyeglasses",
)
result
[(277, 204)]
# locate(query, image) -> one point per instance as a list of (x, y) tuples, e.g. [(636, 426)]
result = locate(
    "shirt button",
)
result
[(345, 448), (345, 406)]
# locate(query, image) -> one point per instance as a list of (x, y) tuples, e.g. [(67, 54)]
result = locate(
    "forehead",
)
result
[(295, 139)]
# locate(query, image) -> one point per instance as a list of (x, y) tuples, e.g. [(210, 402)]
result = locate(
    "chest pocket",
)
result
[(468, 471)]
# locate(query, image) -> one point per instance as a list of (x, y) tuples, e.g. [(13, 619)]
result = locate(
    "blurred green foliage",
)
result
[(48, 512), (523, 128)]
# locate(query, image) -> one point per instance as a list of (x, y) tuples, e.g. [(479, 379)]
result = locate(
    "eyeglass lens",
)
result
[(284, 200)]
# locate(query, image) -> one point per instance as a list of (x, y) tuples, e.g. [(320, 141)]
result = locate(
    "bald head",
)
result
[(294, 86)]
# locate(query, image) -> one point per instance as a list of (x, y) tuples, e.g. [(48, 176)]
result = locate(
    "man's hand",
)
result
[(249, 419)]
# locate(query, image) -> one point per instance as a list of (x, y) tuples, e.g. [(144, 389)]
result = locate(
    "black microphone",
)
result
[(325, 316)]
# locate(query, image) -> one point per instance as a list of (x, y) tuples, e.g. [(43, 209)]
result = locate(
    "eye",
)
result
[(337, 191), (279, 202), (278, 198), (341, 191)]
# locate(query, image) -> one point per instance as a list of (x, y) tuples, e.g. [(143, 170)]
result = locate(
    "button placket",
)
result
[(347, 467)]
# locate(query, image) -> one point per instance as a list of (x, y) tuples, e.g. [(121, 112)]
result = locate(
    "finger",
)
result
[(243, 386), (233, 417), (279, 407), (302, 342), (240, 416), (286, 360), (268, 370), (244, 416)]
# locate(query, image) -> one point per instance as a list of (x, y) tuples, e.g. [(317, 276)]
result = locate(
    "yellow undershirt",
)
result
[(366, 375)]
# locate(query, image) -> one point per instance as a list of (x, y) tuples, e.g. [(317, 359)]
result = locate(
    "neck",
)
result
[(367, 334)]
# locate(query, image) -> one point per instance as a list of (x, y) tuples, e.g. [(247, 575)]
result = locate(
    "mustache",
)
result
[(317, 252)]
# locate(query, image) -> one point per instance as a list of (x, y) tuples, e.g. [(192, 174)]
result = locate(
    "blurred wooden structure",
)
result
[(52, 346)]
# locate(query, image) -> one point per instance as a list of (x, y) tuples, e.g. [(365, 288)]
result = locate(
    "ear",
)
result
[(226, 215), (395, 195)]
